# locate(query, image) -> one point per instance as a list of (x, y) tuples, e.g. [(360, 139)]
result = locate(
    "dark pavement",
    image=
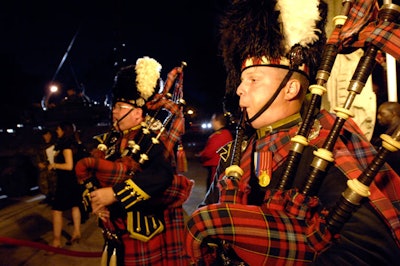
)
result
[(27, 224)]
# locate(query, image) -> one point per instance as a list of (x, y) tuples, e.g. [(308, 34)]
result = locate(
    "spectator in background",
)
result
[(45, 156), (68, 194), (389, 118), (210, 156)]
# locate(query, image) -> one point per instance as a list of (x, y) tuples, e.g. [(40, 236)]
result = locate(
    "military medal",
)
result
[(264, 179), (263, 161)]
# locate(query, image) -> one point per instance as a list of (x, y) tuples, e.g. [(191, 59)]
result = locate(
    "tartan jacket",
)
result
[(239, 213)]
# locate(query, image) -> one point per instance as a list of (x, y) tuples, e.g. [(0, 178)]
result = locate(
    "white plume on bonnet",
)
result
[(147, 75), (299, 18)]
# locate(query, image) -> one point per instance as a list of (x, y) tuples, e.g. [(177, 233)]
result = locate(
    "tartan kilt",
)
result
[(164, 249), (256, 236)]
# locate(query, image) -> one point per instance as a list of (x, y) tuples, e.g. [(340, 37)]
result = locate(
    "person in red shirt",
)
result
[(210, 155)]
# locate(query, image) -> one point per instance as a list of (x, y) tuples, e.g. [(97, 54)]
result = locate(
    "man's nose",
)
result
[(240, 90)]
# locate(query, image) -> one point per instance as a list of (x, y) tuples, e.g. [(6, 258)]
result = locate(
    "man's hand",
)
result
[(100, 199)]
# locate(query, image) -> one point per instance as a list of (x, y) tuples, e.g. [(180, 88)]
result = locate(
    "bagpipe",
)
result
[(292, 229)]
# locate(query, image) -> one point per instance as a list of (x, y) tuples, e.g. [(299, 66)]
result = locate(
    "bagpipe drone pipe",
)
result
[(289, 227)]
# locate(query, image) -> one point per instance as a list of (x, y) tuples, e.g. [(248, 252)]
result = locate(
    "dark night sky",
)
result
[(35, 36)]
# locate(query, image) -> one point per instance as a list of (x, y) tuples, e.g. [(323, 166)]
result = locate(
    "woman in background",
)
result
[(67, 196)]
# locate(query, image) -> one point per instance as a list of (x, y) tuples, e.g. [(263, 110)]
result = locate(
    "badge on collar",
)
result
[(263, 167)]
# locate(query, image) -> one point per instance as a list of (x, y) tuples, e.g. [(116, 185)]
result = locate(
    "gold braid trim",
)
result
[(131, 194), (143, 227)]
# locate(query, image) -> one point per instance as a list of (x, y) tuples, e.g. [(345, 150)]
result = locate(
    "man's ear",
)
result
[(138, 111), (292, 89)]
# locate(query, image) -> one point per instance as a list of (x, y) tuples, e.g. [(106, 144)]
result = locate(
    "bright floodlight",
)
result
[(53, 88)]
